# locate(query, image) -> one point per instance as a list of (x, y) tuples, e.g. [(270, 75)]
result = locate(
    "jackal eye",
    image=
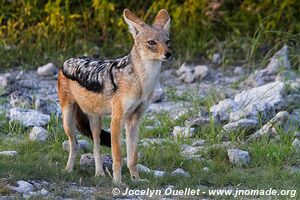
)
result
[(151, 42), (168, 42)]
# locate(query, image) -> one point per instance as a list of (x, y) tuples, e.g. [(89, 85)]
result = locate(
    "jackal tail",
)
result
[(83, 125)]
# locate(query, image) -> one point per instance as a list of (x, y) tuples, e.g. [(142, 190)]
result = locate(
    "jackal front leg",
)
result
[(116, 129), (131, 126)]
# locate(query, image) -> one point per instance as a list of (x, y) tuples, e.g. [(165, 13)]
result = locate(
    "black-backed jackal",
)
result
[(89, 88)]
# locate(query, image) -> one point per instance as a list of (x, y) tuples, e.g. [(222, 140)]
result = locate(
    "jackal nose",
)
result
[(168, 55)]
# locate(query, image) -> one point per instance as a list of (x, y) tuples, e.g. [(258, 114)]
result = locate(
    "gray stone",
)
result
[(151, 141), (269, 129), (271, 94), (200, 71), (199, 142), (296, 145), (9, 153), (241, 124), (23, 187), (279, 61), (143, 169), (47, 70), (158, 173), (238, 70), (20, 75), (293, 99), (107, 162), (297, 134), (5, 80), (238, 157), (38, 134), (159, 93), (216, 58), (180, 172), (46, 106), (28, 117), (21, 100), (82, 145), (87, 161), (188, 150), (183, 132), (293, 121), (197, 121), (189, 74), (221, 111), (168, 107)]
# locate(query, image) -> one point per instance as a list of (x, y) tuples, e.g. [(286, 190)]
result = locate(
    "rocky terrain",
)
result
[(260, 105)]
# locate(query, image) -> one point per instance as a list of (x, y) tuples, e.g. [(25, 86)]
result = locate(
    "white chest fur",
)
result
[(150, 77)]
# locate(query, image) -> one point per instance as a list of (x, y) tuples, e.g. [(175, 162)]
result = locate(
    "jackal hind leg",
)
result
[(95, 124)]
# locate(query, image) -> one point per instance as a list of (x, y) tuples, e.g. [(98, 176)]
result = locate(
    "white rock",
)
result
[(221, 111), (159, 93), (270, 94), (158, 173), (23, 187), (293, 121), (151, 141), (20, 75), (47, 106), (183, 132), (205, 169), (216, 58), (296, 145), (197, 121), (143, 169), (189, 74), (182, 69), (47, 70), (5, 79), (82, 145), (201, 71), (21, 100), (44, 191), (238, 157), (279, 61), (87, 161), (269, 128), (238, 70), (38, 134), (188, 150), (28, 117), (199, 142), (180, 172), (241, 124), (9, 153)]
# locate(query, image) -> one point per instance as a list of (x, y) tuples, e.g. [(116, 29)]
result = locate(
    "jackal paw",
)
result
[(68, 169), (98, 174)]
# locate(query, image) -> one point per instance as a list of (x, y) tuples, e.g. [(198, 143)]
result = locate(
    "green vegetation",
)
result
[(33, 32), (46, 161)]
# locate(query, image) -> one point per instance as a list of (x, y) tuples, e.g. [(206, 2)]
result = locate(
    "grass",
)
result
[(269, 158)]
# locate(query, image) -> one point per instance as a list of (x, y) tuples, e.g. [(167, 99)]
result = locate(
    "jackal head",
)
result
[(150, 42)]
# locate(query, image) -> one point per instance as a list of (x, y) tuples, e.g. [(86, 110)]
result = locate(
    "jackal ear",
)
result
[(135, 24), (162, 21)]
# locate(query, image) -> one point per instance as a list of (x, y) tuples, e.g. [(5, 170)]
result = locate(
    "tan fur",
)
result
[(127, 105)]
